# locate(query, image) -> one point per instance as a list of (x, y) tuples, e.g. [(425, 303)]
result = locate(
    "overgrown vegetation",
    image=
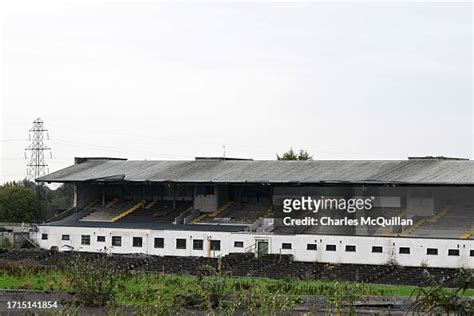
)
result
[(95, 282), (212, 291), (438, 299)]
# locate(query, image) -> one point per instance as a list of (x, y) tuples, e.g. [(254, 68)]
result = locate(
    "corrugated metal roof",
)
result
[(266, 171)]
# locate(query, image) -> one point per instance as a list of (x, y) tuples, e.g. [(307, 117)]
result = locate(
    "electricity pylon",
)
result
[(37, 165)]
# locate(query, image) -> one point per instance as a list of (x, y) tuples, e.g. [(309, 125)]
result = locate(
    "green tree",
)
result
[(20, 204), (61, 198), (292, 155)]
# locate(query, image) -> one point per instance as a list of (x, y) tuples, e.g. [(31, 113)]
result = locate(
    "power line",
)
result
[(115, 149), (14, 140)]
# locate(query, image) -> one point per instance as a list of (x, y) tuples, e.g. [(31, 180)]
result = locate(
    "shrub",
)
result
[(22, 267), (95, 282), (437, 298), (215, 292), (6, 244)]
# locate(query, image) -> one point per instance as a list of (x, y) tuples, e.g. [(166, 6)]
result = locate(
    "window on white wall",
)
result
[(404, 250), (137, 242), (216, 245), (238, 244), (180, 243), (198, 244), (44, 236), (432, 251), (65, 237), (350, 248), (471, 253), (453, 252), (311, 247), (377, 249), (330, 247), (85, 239), (101, 238), (159, 242), (286, 245), (116, 241)]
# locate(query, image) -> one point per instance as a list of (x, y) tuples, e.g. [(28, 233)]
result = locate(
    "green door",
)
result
[(262, 248)]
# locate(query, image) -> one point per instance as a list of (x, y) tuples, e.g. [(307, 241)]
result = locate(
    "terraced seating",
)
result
[(109, 212), (452, 223), (157, 212), (243, 213)]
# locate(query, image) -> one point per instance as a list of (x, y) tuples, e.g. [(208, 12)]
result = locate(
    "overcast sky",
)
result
[(143, 80)]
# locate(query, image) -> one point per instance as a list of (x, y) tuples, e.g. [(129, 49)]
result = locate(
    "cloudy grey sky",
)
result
[(149, 80)]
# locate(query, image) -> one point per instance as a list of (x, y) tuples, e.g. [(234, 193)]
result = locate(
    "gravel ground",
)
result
[(11, 302)]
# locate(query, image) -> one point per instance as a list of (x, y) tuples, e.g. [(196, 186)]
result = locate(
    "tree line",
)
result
[(27, 202)]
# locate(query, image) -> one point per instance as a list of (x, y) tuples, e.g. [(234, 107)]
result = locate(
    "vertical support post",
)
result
[(103, 196)]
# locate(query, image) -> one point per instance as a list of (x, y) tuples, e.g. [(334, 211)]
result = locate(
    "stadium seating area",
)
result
[(133, 211), (239, 213), (449, 222), (158, 212), (109, 212), (453, 222)]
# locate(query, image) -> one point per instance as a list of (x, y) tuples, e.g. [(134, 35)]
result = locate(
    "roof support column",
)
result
[(103, 196)]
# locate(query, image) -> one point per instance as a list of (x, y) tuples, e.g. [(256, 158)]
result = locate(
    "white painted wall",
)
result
[(363, 254)]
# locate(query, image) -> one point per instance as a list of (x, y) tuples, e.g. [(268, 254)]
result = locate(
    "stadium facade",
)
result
[(415, 212)]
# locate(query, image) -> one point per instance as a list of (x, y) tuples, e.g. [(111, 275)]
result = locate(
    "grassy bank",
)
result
[(170, 285)]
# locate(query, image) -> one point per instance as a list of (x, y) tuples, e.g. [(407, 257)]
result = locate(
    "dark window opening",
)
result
[(432, 251), (453, 252), (330, 247), (85, 239), (238, 244), (180, 243), (101, 238), (311, 247), (209, 190), (204, 190), (116, 241), (65, 237), (404, 250), (286, 245), (216, 245), (471, 253), (159, 242), (44, 236), (377, 249), (350, 248), (198, 244), (137, 242)]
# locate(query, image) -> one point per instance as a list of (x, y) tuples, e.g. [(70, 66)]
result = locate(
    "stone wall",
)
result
[(246, 265)]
